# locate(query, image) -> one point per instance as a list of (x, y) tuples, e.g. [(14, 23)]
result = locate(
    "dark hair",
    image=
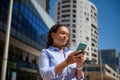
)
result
[(54, 29)]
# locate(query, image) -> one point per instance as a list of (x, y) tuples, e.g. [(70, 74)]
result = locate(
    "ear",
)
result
[(52, 35)]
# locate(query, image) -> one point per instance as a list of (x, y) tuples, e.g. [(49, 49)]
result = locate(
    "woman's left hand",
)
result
[(80, 58)]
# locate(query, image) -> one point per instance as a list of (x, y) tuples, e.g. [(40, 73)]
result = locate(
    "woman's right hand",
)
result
[(71, 58)]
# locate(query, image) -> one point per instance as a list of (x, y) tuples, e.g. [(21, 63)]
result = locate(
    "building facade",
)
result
[(29, 27), (44, 4), (119, 62), (110, 57), (100, 72), (81, 17)]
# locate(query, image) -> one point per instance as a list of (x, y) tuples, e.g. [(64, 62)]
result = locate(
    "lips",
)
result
[(64, 40)]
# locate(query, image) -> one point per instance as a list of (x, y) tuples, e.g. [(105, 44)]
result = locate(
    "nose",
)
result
[(65, 35)]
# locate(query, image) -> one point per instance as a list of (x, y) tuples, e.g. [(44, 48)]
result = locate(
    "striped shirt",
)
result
[(51, 57)]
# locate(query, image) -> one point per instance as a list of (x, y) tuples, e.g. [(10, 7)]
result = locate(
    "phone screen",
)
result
[(81, 46)]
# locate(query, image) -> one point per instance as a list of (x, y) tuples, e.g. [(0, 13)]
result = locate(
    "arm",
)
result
[(79, 66), (47, 72), (80, 74), (59, 68), (70, 60)]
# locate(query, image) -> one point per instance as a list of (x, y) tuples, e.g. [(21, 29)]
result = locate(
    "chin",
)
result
[(64, 45)]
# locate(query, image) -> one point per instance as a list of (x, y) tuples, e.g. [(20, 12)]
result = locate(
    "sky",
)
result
[(108, 22)]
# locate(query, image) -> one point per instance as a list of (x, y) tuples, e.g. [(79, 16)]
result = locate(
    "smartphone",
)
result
[(81, 46)]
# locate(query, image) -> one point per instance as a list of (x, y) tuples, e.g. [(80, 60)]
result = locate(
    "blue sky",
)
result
[(108, 22)]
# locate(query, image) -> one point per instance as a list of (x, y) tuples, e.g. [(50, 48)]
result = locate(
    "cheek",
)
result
[(56, 39), (67, 38), (59, 36)]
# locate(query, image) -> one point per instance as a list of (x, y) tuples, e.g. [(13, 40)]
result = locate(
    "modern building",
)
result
[(81, 17), (108, 67), (100, 72), (119, 62), (44, 4), (29, 27), (110, 57)]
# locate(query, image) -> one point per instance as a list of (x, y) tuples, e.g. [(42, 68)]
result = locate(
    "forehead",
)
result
[(63, 28)]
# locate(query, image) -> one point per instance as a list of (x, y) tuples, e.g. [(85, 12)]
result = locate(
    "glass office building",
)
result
[(110, 57), (28, 37)]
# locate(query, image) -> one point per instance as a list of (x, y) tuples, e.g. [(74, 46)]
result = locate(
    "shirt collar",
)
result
[(56, 49)]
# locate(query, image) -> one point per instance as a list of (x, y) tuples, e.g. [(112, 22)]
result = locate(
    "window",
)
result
[(87, 19), (74, 16), (74, 11), (74, 20), (73, 25), (73, 36), (74, 6), (73, 30)]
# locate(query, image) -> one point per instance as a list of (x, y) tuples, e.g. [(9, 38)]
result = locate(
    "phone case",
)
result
[(82, 47)]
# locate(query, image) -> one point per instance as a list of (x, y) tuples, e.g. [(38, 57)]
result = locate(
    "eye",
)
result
[(64, 33), (67, 34)]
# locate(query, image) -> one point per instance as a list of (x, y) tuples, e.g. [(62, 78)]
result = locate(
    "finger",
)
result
[(74, 53), (84, 52), (79, 51), (79, 56)]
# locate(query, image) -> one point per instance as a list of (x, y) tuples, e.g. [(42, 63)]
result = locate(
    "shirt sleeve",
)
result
[(72, 74), (46, 72)]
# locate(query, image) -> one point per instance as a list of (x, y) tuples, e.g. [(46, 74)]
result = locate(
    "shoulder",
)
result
[(46, 51)]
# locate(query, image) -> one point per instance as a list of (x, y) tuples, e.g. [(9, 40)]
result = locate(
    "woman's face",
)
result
[(61, 37)]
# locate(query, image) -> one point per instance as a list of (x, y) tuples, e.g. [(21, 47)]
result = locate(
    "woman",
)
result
[(57, 62)]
